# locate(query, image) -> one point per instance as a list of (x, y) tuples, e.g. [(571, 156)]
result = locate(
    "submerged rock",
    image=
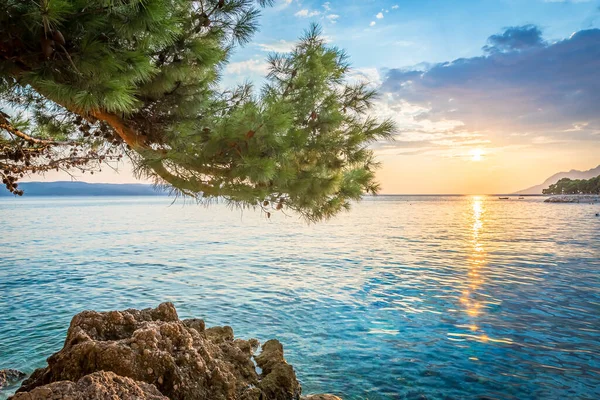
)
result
[(183, 360), (96, 386), (10, 376)]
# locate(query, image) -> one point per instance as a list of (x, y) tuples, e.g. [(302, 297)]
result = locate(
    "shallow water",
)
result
[(442, 297)]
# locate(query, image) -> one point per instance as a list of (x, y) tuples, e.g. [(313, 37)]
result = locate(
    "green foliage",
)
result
[(575, 186), (141, 77)]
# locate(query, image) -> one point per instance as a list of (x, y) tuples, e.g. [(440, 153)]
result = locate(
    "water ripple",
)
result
[(404, 297)]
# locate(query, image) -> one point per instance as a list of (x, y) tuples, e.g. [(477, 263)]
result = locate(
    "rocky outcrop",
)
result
[(278, 380), (96, 386), (9, 377), (573, 198), (140, 351)]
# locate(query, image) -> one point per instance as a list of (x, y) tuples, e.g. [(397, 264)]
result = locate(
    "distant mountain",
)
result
[(572, 174), (83, 189)]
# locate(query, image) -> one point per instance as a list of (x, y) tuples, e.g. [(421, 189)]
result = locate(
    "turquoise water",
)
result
[(404, 297)]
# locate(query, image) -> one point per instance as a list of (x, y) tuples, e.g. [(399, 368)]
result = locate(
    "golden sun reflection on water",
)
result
[(477, 264), (476, 271)]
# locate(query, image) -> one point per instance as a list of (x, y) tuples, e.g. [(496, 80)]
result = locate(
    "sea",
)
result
[(403, 297)]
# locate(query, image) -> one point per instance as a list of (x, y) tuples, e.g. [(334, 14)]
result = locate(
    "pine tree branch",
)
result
[(137, 142), (134, 139), (7, 126), (186, 186)]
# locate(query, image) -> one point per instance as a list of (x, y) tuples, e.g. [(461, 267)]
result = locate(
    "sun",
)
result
[(476, 154)]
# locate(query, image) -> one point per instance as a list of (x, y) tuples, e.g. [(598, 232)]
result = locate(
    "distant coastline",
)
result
[(572, 174), (80, 189), (86, 189), (457, 195)]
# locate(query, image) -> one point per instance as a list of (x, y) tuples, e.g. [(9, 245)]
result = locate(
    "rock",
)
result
[(573, 198), (182, 359), (197, 324), (10, 376), (96, 386), (278, 377)]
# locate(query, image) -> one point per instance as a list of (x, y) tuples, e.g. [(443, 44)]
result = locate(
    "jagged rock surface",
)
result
[(10, 376), (96, 386), (278, 377), (182, 359)]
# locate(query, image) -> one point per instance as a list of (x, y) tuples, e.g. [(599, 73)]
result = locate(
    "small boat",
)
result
[(503, 198), (521, 198)]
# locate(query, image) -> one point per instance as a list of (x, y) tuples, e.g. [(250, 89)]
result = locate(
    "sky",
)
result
[(489, 96)]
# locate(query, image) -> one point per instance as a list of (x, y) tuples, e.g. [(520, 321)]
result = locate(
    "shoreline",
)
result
[(152, 354), (573, 198)]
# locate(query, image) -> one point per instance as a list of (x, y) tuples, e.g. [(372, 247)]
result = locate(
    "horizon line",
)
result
[(366, 195)]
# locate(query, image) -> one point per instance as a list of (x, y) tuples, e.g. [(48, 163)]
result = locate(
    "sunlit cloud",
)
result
[(523, 84)]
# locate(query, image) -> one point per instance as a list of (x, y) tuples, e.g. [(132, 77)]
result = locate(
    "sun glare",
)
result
[(476, 154)]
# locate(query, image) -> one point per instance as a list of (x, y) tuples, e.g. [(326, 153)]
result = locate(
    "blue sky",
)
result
[(489, 96), (411, 32)]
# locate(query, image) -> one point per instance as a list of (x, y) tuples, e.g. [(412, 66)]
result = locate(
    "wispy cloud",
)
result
[(306, 13), (365, 75), (241, 67), (333, 18), (282, 4), (281, 46)]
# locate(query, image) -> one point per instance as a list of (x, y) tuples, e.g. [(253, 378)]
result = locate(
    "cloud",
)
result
[(379, 15), (281, 46), (333, 18), (327, 6), (242, 67), (365, 75), (515, 39), (372, 23), (282, 4), (396, 6), (522, 84), (305, 13)]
